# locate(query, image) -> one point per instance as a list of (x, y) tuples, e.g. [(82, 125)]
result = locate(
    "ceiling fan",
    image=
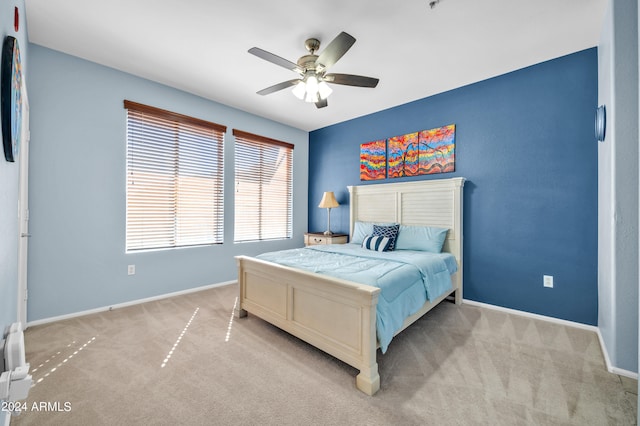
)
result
[(312, 85)]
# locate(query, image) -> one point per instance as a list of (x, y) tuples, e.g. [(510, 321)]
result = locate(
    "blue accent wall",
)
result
[(525, 143)]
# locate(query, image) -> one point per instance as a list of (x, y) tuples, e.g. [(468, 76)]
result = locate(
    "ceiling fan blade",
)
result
[(322, 103), (278, 86), (275, 59), (351, 80), (335, 49)]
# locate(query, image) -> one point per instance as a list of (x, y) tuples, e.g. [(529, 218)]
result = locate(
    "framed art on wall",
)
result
[(437, 150), (373, 160), (422, 153), (402, 155), (11, 98)]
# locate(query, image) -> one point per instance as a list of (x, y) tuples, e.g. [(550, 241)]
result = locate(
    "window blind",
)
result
[(264, 188), (174, 179)]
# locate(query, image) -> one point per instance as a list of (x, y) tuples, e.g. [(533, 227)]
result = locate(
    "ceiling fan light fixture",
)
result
[(312, 88), (311, 84), (324, 90), (299, 90), (311, 97)]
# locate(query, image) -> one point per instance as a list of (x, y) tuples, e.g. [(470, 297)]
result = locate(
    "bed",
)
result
[(338, 315)]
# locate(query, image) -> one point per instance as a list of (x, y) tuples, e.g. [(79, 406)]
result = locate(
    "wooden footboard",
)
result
[(336, 316)]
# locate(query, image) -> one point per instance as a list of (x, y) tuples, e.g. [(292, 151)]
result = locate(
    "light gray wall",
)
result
[(618, 185), (77, 258), (9, 179)]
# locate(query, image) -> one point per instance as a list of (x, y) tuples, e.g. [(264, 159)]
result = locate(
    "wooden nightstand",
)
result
[(315, 238)]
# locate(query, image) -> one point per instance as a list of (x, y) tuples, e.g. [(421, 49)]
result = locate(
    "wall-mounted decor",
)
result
[(402, 156), (419, 153), (373, 160), (601, 122), (437, 150), (11, 98), (422, 153)]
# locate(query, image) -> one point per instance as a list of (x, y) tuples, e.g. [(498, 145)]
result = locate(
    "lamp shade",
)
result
[(299, 90), (328, 201)]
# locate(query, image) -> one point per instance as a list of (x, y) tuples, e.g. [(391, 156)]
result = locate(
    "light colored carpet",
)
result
[(458, 365)]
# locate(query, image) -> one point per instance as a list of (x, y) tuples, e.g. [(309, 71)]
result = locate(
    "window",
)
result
[(263, 199), (174, 179)]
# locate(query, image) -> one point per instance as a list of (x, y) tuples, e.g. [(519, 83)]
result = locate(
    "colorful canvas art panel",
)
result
[(373, 160), (437, 150), (403, 156)]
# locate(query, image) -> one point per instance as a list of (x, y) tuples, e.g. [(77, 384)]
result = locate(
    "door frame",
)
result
[(23, 210)]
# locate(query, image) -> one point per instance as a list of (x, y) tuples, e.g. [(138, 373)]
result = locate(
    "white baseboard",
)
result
[(530, 315), (607, 360), (610, 367), (125, 304)]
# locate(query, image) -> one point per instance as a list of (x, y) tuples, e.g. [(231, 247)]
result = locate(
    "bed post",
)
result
[(239, 312), (458, 199), (458, 294), (352, 210), (368, 381)]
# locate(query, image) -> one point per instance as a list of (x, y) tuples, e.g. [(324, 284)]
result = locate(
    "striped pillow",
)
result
[(377, 243)]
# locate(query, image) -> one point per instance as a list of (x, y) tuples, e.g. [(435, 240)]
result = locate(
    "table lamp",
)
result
[(328, 202)]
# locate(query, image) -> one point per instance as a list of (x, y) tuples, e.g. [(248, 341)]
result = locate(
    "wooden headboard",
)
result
[(435, 202)]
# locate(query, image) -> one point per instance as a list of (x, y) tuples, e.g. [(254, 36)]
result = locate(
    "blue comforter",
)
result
[(406, 278)]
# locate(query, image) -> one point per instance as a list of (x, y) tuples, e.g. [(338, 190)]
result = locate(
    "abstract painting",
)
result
[(403, 156), (437, 150), (373, 160)]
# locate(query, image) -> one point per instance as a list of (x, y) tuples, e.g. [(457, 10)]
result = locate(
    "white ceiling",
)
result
[(200, 46)]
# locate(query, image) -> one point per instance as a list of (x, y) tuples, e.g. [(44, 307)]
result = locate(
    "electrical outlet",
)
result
[(131, 270), (547, 281)]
